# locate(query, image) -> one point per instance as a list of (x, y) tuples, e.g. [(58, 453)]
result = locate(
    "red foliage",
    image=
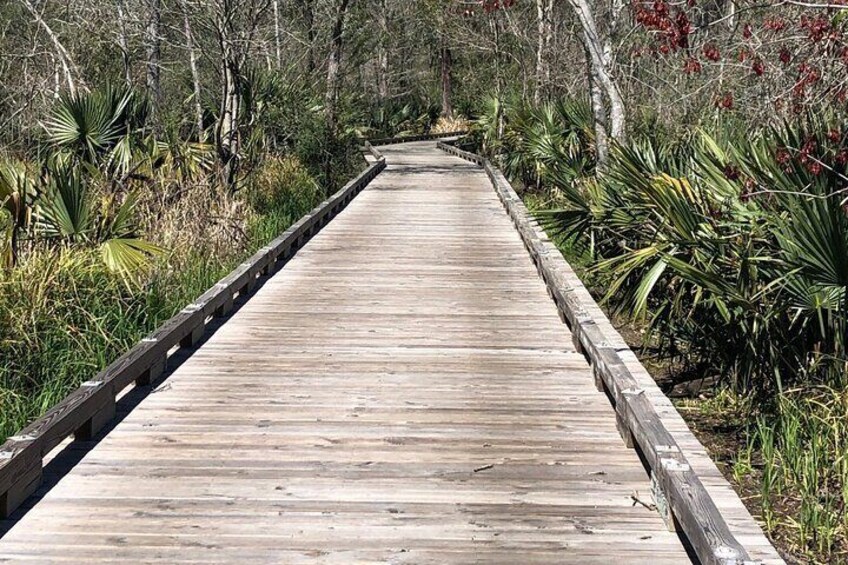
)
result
[(711, 52), (774, 24), (808, 149), (725, 102), (817, 27), (731, 173), (692, 66), (490, 6), (758, 67), (673, 30)]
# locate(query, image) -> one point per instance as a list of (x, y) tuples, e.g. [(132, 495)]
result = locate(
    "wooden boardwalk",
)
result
[(403, 391)]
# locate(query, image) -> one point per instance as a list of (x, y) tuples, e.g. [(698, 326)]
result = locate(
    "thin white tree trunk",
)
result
[(334, 65), (123, 42), (600, 70), (383, 53), (277, 40), (195, 75), (599, 115), (61, 52), (153, 45), (543, 39), (447, 91)]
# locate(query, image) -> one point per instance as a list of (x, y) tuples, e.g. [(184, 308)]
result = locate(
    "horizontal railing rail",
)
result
[(420, 137), (373, 150), (680, 496), (85, 411)]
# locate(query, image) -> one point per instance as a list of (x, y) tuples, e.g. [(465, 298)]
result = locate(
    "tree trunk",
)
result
[(153, 45), (195, 75), (543, 41), (333, 67), (228, 124), (307, 16), (600, 69), (235, 23), (123, 42), (447, 64), (599, 117), (383, 53), (549, 40), (496, 35), (61, 52), (277, 40)]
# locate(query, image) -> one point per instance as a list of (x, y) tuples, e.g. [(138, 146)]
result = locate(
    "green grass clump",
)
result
[(64, 316)]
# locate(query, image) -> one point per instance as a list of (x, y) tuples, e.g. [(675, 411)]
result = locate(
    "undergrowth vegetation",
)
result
[(109, 228), (730, 252)]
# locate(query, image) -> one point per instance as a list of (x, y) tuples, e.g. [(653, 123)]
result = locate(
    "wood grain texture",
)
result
[(711, 515), (403, 391), (85, 411)]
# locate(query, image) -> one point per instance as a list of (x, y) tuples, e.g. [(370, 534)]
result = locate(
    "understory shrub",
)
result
[(729, 250), (280, 183)]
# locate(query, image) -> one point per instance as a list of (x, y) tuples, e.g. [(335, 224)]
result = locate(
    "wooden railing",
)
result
[(679, 493), (420, 137), (84, 412)]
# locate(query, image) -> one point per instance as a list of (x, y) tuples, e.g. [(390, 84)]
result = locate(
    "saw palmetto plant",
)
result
[(67, 212), (716, 243), (17, 191)]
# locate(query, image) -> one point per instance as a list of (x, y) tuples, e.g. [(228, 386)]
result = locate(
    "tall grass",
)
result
[(64, 316)]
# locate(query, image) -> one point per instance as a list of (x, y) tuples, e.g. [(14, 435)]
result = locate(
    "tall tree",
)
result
[(195, 74), (61, 53), (446, 58), (334, 65), (306, 9), (235, 23), (123, 41), (544, 15), (383, 51), (598, 55), (153, 46)]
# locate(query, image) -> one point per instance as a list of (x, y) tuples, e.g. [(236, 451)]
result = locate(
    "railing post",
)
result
[(101, 416), (27, 482)]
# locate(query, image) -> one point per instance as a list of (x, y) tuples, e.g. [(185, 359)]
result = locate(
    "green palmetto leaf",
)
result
[(89, 123), (128, 256), (122, 252), (625, 266), (17, 190), (646, 286), (709, 281), (815, 238), (64, 210)]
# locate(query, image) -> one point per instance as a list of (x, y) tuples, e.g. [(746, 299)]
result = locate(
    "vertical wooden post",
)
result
[(153, 373)]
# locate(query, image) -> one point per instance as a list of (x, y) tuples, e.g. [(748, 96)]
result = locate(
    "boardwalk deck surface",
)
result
[(402, 391)]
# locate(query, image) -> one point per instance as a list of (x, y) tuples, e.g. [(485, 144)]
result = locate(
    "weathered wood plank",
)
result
[(402, 391), (690, 505), (85, 411)]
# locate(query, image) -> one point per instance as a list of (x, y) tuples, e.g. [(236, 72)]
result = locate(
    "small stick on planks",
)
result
[(636, 500)]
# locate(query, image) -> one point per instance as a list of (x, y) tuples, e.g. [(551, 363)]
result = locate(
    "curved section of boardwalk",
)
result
[(402, 391)]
